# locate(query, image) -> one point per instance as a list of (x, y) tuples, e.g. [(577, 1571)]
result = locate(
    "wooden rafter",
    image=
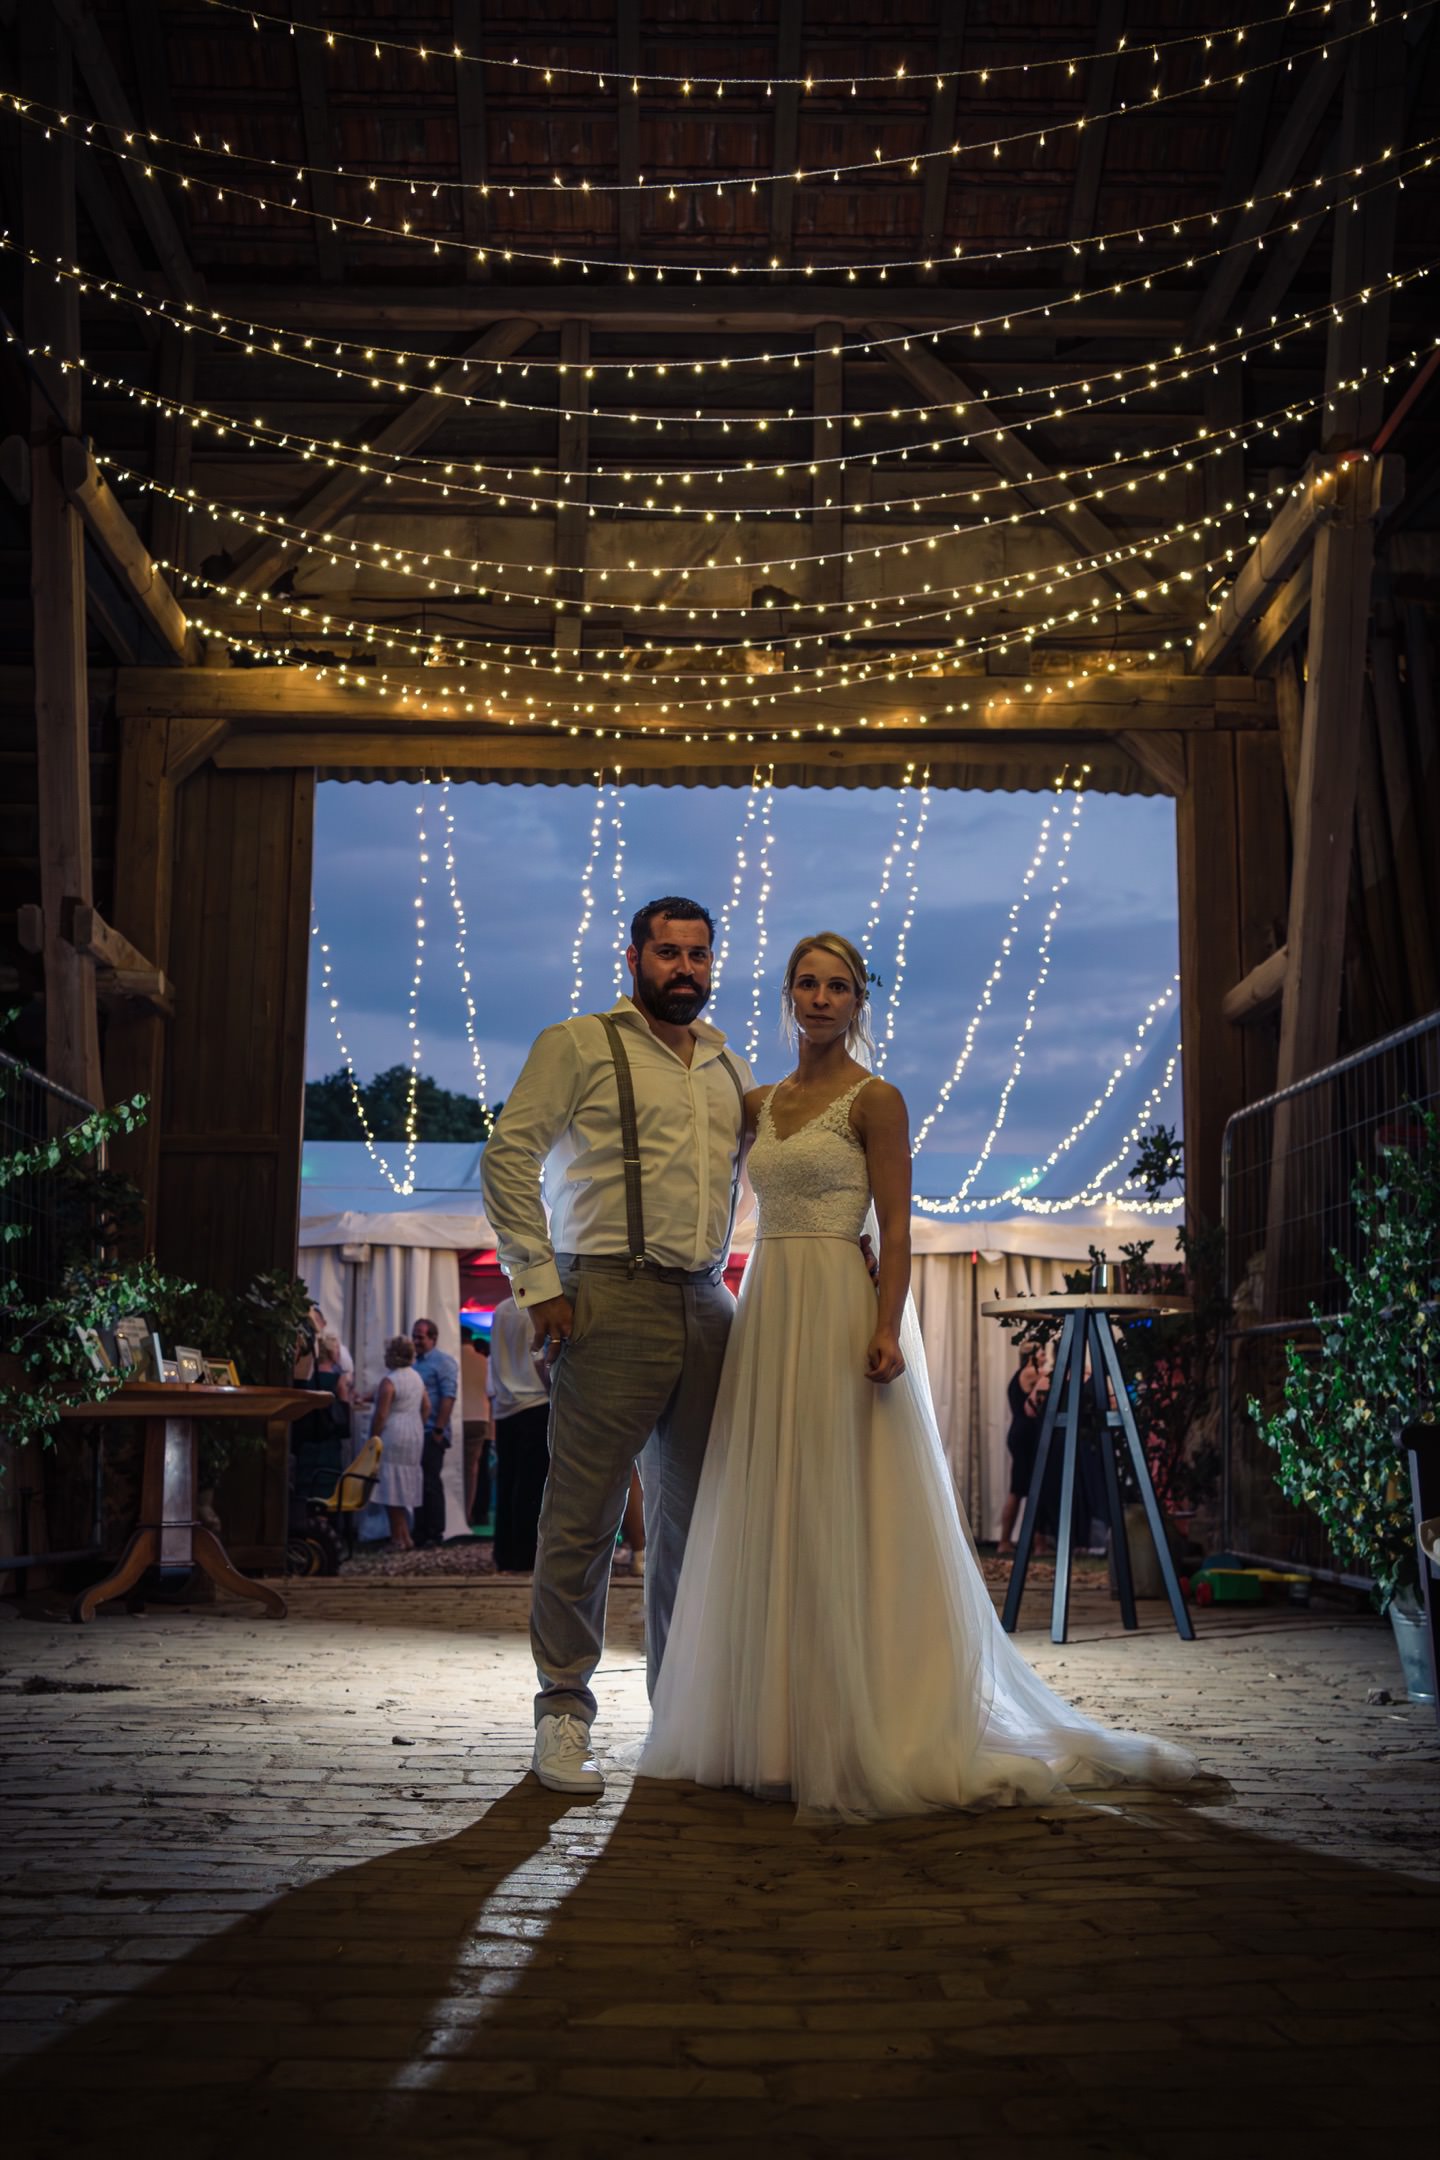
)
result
[(1028, 473), (413, 425), (627, 127), (940, 133), (786, 101), (470, 127), (319, 155), (1281, 164), (573, 478), (827, 515), (92, 56), (1090, 156), (124, 551), (970, 704)]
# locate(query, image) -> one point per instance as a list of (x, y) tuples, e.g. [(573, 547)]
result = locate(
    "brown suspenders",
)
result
[(630, 1141)]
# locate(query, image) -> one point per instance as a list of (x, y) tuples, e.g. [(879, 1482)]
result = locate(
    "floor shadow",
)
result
[(677, 1971)]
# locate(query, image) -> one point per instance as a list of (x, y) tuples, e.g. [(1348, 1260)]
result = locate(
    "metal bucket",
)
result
[(1412, 1641)]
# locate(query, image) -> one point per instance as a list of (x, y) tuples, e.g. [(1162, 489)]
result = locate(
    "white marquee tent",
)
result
[(374, 1259)]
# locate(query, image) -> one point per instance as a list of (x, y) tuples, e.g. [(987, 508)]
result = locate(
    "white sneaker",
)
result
[(562, 1758)]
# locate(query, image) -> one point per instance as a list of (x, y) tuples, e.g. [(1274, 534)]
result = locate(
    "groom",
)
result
[(631, 1123)]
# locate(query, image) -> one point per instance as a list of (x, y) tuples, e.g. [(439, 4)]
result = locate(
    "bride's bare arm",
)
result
[(883, 1124)]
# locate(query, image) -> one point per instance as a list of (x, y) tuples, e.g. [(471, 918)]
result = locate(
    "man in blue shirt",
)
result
[(441, 1376)]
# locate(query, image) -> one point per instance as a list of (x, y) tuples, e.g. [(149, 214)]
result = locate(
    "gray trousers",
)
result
[(638, 1377)]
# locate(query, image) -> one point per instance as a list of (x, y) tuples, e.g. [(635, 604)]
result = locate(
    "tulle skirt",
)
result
[(833, 1640)]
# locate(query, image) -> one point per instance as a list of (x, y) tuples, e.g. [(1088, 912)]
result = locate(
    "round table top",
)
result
[(1068, 1301)]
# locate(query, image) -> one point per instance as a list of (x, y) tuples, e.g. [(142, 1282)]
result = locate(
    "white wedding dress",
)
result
[(833, 1641)]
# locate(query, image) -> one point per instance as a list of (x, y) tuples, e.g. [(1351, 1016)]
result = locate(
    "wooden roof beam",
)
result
[(940, 134), (679, 310), (1094, 128), (785, 97), (1027, 473), (319, 155), (1278, 551), (1282, 162), (411, 427), (572, 463), (106, 522), (396, 700), (471, 138), (627, 129), (92, 56)]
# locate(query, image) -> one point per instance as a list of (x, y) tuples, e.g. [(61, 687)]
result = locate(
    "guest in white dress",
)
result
[(833, 1641), (399, 1424)]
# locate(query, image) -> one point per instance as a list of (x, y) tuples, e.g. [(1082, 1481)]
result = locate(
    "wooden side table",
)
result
[(168, 1534), (1087, 1334)]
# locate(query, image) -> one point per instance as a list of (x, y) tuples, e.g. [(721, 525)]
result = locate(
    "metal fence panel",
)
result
[(1288, 1166)]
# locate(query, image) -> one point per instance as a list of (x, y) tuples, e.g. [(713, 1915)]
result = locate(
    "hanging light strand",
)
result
[(757, 971), (462, 954), (587, 897), (902, 821), (617, 878), (902, 941), (737, 883)]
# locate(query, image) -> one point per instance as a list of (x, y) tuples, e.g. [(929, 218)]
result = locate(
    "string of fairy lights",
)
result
[(266, 343), (608, 818), (910, 875), (414, 229), (912, 71), (740, 690), (254, 339)]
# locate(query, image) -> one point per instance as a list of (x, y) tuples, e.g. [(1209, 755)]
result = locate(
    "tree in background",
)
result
[(440, 1113)]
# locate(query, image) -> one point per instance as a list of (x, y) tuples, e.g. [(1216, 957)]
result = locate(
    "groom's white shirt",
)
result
[(558, 1138)]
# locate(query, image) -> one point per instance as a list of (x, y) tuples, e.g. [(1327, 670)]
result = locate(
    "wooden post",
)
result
[(57, 567), (1210, 964), (144, 851), (572, 480)]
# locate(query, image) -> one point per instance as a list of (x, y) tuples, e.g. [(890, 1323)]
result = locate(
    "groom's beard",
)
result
[(677, 1004)]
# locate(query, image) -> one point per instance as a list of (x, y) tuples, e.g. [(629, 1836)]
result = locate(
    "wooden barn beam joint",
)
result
[(120, 971), (1260, 991), (413, 425), (1278, 551), (109, 526)]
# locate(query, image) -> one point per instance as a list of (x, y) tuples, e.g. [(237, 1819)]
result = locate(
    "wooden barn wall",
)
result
[(229, 1173)]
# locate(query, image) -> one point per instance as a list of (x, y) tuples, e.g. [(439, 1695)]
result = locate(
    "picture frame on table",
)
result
[(133, 1352), (94, 1348), (170, 1371), (190, 1364), (219, 1372), (230, 1367)]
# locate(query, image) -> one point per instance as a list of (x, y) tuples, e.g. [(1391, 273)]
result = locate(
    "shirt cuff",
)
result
[(542, 1282)]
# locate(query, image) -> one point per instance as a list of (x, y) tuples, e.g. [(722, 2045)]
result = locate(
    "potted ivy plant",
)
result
[(1375, 1370)]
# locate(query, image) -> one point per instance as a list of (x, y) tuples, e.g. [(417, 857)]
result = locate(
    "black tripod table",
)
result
[(1087, 1336)]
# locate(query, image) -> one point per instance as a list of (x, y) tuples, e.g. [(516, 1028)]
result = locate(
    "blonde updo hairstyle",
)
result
[(858, 1039)]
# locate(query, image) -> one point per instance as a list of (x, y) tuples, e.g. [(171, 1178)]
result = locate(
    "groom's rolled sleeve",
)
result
[(537, 1111)]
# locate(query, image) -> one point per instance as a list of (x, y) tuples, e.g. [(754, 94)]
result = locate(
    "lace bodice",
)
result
[(814, 1183)]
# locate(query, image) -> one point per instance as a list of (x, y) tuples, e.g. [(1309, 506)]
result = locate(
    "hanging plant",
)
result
[(1337, 1439)]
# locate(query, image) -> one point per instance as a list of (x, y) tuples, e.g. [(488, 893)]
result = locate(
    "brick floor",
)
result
[(235, 1914)]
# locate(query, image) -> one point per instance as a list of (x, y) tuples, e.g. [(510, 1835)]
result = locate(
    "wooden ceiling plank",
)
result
[(410, 427), (1363, 250), (468, 22), (785, 97), (1090, 157), (940, 135), (827, 497), (92, 56), (1026, 471)]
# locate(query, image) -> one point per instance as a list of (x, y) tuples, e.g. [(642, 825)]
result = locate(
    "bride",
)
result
[(833, 1640)]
